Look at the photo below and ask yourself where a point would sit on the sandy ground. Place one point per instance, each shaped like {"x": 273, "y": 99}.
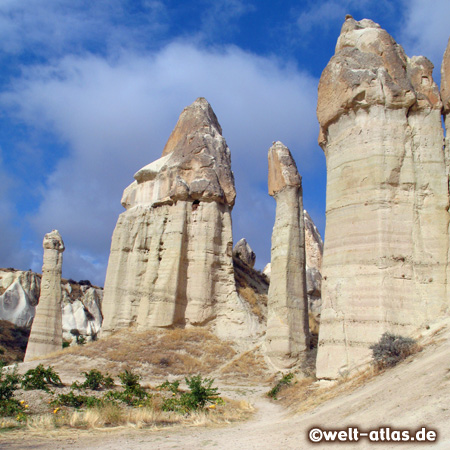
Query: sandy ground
{"x": 414, "y": 394}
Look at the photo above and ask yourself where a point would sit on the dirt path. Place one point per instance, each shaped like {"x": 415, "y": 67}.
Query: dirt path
{"x": 414, "y": 394}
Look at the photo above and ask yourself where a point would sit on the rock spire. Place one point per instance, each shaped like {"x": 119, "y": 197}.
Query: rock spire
{"x": 287, "y": 335}
{"x": 386, "y": 239}
{"x": 46, "y": 330}
{"x": 171, "y": 252}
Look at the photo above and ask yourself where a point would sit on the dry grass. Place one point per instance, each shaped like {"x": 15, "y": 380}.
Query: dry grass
{"x": 112, "y": 416}
{"x": 247, "y": 366}
{"x": 305, "y": 394}
{"x": 159, "y": 352}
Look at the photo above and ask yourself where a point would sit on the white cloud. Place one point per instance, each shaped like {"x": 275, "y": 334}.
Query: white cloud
{"x": 115, "y": 116}
{"x": 56, "y": 26}
{"x": 426, "y": 30}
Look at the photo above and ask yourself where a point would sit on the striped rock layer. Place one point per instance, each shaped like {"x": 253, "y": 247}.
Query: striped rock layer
{"x": 46, "y": 330}
{"x": 386, "y": 239}
{"x": 171, "y": 252}
{"x": 287, "y": 335}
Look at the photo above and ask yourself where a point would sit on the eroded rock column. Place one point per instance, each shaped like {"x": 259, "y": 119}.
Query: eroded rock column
{"x": 171, "y": 252}
{"x": 46, "y": 331}
{"x": 287, "y": 336}
{"x": 386, "y": 238}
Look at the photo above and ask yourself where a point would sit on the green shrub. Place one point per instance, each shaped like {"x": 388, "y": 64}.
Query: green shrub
{"x": 40, "y": 378}
{"x": 133, "y": 393}
{"x": 391, "y": 349}
{"x": 77, "y": 401}
{"x": 285, "y": 381}
{"x": 9, "y": 382}
{"x": 200, "y": 393}
{"x": 95, "y": 381}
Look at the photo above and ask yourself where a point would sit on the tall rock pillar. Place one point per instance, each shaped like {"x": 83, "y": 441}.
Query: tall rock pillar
{"x": 386, "y": 238}
{"x": 46, "y": 331}
{"x": 171, "y": 252}
{"x": 287, "y": 335}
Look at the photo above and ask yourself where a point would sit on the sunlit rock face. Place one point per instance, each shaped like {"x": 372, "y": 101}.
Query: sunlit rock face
{"x": 171, "y": 251}
{"x": 81, "y": 305}
{"x": 287, "y": 335}
{"x": 46, "y": 331}
{"x": 386, "y": 239}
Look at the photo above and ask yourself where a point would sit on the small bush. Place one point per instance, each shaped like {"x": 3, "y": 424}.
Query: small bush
{"x": 199, "y": 395}
{"x": 286, "y": 380}
{"x": 95, "y": 381}
{"x": 84, "y": 283}
{"x": 391, "y": 349}
{"x": 9, "y": 382}
{"x": 40, "y": 378}
{"x": 133, "y": 393}
{"x": 77, "y": 401}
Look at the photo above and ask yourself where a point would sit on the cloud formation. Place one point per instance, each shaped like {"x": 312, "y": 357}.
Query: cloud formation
{"x": 116, "y": 114}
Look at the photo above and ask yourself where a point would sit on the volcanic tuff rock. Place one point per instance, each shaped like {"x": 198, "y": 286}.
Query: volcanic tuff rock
{"x": 313, "y": 252}
{"x": 244, "y": 252}
{"x": 46, "y": 331}
{"x": 287, "y": 335}
{"x": 81, "y": 305}
{"x": 386, "y": 240}
{"x": 171, "y": 251}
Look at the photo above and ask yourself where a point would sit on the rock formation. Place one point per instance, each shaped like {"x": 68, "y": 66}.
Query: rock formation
{"x": 244, "y": 252}
{"x": 46, "y": 331}
{"x": 287, "y": 335}
{"x": 386, "y": 240}
{"x": 313, "y": 252}
{"x": 171, "y": 252}
{"x": 19, "y": 295}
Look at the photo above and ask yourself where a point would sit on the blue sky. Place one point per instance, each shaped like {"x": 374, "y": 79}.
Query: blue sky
{"x": 90, "y": 91}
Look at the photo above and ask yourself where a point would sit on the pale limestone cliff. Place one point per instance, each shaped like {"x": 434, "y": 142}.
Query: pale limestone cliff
{"x": 386, "y": 239}
{"x": 313, "y": 252}
{"x": 46, "y": 331}
{"x": 287, "y": 335}
{"x": 244, "y": 252}
{"x": 171, "y": 251}
{"x": 81, "y": 305}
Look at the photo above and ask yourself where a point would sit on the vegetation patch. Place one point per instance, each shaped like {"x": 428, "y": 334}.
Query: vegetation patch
{"x": 41, "y": 378}
{"x": 391, "y": 349}
{"x": 285, "y": 380}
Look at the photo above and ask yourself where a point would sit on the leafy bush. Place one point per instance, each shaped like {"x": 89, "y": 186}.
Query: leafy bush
{"x": 40, "y": 378}
{"x": 133, "y": 393}
{"x": 391, "y": 349}
{"x": 285, "y": 381}
{"x": 200, "y": 393}
{"x": 77, "y": 401}
{"x": 95, "y": 380}
{"x": 9, "y": 382}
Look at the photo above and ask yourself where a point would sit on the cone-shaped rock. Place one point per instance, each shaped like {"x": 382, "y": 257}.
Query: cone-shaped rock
{"x": 386, "y": 239}
{"x": 46, "y": 331}
{"x": 171, "y": 251}
{"x": 287, "y": 336}
{"x": 244, "y": 252}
